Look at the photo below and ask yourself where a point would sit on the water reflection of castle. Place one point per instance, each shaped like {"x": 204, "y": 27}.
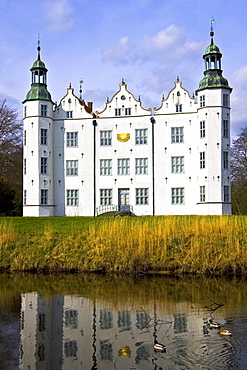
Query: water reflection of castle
{"x": 73, "y": 332}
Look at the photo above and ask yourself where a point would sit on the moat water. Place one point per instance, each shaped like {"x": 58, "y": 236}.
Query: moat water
{"x": 112, "y": 322}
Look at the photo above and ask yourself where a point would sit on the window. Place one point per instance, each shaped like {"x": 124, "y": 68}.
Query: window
{"x": 44, "y": 196}
{"x": 225, "y": 100}
{"x": 226, "y": 194}
{"x": 72, "y": 139}
{"x": 118, "y": 112}
{"x": 43, "y": 165}
{"x": 202, "y": 101}
{"x": 123, "y": 166}
{"x": 128, "y": 111}
{"x": 202, "y": 129}
{"x": 25, "y": 166}
{"x": 72, "y": 197}
{"x": 225, "y": 160}
{"x": 141, "y": 166}
{"x": 43, "y": 110}
{"x": 141, "y": 136}
{"x": 105, "y": 138}
{"x": 105, "y": 167}
{"x": 41, "y": 322}
{"x": 177, "y": 134}
{"x": 106, "y": 319}
{"x": 225, "y": 128}
{"x": 25, "y": 197}
{"x": 25, "y": 111}
{"x": 70, "y": 348}
{"x": 202, "y": 160}
{"x": 202, "y": 194}
{"x": 25, "y": 137}
{"x": 177, "y": 195}
{"x": 69, "y": 114}
{"x": 141, "y": 196}
{"x": 43, "y": 136}
{"x": 72, "y": 168}
{"x": 177, "y": 164}
{"x": 105, "y": 197}
{"x": 178, "y": 108}
{"x": 71, "y": 319}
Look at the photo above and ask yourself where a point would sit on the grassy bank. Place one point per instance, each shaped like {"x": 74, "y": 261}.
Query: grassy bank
{"x": 171, "y": 244}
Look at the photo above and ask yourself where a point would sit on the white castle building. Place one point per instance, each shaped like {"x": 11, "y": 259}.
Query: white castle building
{"x": 174, "y": 160}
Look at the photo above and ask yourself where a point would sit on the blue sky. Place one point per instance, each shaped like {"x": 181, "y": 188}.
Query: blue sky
{"x": 147, "y": 42}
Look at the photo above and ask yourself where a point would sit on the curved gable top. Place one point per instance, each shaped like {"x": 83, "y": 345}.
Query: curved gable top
{"x": 178, "y": 101}
{"x": 71, "y": 103}
{"x": 123, "y": 104}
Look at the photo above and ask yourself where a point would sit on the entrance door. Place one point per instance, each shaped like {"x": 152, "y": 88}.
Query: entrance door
{"x": 123, "y": 200}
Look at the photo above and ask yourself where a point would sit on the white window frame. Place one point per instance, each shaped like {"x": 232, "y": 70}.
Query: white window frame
{"x": 202, "y": 129}
{"x": 177, "y": 135}
{"x": 69, "y": 114}
{"x": 202, "y": 194}
{"x": 105, "y": 167}
{"x": 72, "y": 167}
{"x": 118, "y": 112}
{"x": 226, "y": 194}
{"x": 225, "y": 100}
{"x": 178, "y": 108}
{"x": 177, "y": 195}
{"x": 226, "y": 128}
{"x": 44, "y": 165}
{"x": 105, "y": 197}
{"x": 202, "y": 160}
{"x": 25, "y": 197}
{"x": 142, "y": 196}
{"x": 177, "y": 164}
{"x": 105, "y": 138}
{"x": 141, "y": 166}
{"x": 43, "y": 110}
{"x": 127, "y": 111}
{"x": 141, "y": 136}
{"x": 72, "y": 197}
{"x": 44, "y": 197}
{"x": 225, "y": 160}
{"x": 202, "y": 101}
{"x": 123, "y": 166}
{"x": 43, "y": 136}
{"x": 72, "y": 139}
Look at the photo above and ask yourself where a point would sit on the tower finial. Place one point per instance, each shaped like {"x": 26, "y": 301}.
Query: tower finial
{"x": 38, "y": 47}
{"x": 81, "y": 82}
{"x": 212, "y": 29}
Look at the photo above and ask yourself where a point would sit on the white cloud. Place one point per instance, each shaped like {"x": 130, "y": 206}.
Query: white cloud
{"x": 59, "y": 14}
{"x": 119, "y": 52}
{"x": 168, "y": 45}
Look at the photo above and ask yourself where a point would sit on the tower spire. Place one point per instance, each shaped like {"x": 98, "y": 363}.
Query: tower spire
{"x": 212, "y": 30}
{"x": 38, "y": 47}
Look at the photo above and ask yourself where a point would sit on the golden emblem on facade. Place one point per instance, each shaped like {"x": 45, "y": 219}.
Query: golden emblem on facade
{"x": 123, "y": 137}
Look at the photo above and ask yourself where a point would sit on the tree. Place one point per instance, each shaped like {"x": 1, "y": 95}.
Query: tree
{"x": 10, "y": 152}
{"x": 239, "y": 173}
{"x": 7, "y": 196}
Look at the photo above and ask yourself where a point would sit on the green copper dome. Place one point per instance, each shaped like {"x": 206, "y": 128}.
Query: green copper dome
{"x": 38, "y": 92}
{"x": 213, "y": 73}
{"x": 38, "y": 89}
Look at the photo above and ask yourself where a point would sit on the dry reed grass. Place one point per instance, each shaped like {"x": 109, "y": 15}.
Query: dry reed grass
{"x": 170, "y": 244}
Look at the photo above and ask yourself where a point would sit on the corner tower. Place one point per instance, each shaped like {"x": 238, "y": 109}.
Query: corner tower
{"x": 38, "y": 144}
{"x": 214, "y": 119}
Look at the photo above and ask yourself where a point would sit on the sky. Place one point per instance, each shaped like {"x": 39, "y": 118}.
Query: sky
{"x": 148, "y": 43}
